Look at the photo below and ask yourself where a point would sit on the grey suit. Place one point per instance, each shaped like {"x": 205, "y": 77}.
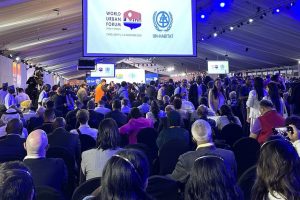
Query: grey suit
{"x": 186, "y": 161}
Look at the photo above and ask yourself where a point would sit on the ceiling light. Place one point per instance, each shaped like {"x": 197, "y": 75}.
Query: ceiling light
{"x": 277, "y": 10}
{"x": 250, "y": 20}
{"x": 202, "y": 16}
{"x": 299, "y": 62}
{"x": 215, "y": 34}
{"x": 222, "y": 4}
{"x": 17, "y": 58}
{"x": 169, "y": 69}
{"x": 231, "y": 28}
{"x": 202, "y": 39}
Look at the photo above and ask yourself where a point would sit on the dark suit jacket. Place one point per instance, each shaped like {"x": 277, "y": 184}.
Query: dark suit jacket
{"x": 33, "y": 123}
{"x": 186, "y": 161}
{"x": 11, "y": 146}
{"x": 193, "y": 94}
{"x": 71, "y": 119}
{"x": 95, "y": 119}
{"x": 118, "y": 116}
{"x": 62, "y": 138}
{"x": 47, "y": 127}
{"x": 50, "y": 172}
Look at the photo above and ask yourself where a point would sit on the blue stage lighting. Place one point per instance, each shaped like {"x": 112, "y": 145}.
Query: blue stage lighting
{"x": 278, "y": 10}
{"x": 222, "y": 4}
{"x": 202, "y": 16}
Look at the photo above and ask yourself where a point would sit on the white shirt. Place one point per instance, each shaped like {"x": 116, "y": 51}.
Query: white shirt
{"x": 125, "y": 109}
{"x": 9, "y": 100}
{"x": 160, "y": 94}
{"x": 150, "y": 115}
{"x": 187, "y": 106}
{"x": 21, "y": 97}
{"x": 2, "y": 96}
{"x": 86, "y": 129}
{"x": 102, "y": 110}
{"x": 42, "y": 96}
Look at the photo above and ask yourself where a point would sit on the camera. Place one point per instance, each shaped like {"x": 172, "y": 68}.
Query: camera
{"x": 283, "y": 131}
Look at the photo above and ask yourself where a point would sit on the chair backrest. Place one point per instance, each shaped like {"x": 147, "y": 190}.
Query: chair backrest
{"x": 60, "y": 152}
{"x": 148, "y": 137}
{"x": 47, "y": 193}
{"x": 169, "y": 153}
{"x": 86, "y": 188}
{"x": 231, "y": 133}
{"x": 246, "y": 151}
{"x": 246, "y": 181}
{"x": 162, "y": 188}
{"x": 87, "y": 142}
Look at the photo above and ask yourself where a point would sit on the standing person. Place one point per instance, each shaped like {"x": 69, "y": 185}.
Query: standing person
{"x": 44, "y": 93}
{"x": 196, "y": 91}
{"x": 151, "y": 90}
{"x": 116, "y": 113}
{"x": 100, "y": 90}
{"x": 9, "y": 98}
{"x": 275, "y": 98}
{"x": 161, "y": 92}
{"x": 3, "y": 93}
{"x": 182, "y": 90}
{"x": 255, "y": 96}
{"x": 216, "y": 96}
{"x": 123, "y": 91}
{"x": 243, "y": 96}
{"x": 22, "y": 96}
{"x": 170, "y": 88}
{"x": 82, "y": 94}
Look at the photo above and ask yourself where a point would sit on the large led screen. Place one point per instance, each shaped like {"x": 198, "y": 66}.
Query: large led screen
{"x": 218, "y": 67}
{"x": 139, "y": 28}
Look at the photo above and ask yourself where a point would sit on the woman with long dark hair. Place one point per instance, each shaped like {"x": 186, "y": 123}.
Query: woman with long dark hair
{"x": 155, "y": 113}
{"x": 277, "y": 100}
{"x": 278, "y": 172}
{"x": 226, "y": 117}
{"x": 211, "y": 180}
{"x": 108, "y": 142}
{"x": 125, "y": 177}
{"x": 216, "y": 96}
{"x": 255, "y": 96}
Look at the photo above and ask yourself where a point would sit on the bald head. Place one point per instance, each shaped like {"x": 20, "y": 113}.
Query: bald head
{"x": 37, "y": 143}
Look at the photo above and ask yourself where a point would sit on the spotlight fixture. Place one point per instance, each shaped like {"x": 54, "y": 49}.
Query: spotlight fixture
{"x": 202, "y": 16}
{"x": 215, "y": 34}
{"x": 222, "y": 4}
{"x": 170, "y": 69}
{"x": 17, "y": 58}
{"x": 277, "y": 10}
{"x": 299, "y": 62}
{"x": 10, "y": 55}
{"x": 202, "y": 39}
{"x": 231, "y": 28}
{"x": 250, "y": 20}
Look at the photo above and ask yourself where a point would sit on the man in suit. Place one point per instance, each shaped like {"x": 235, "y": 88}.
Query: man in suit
{"x": 95, "y": 117}
{"x": 197, "y": 90}
{"x": 202, "y": 134}
{"x": 62, "y": 138}
{"x": 116, "y": 114}
{"x": 11, "y": 146}
{"x": 50, "y": 172}
{"x": 49, "y": 117}
{"x": 71, "y": 116}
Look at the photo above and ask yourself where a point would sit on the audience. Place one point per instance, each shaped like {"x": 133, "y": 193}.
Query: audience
{"x": 202, "y": 134}
{"x": 216, "y": 96}
{"x": 116, "y": 113}
{"x": 210, "y": 179}
{"x": 263, "y": 125}
{"x": 108, "y": 142}
{"x": 94, "y": 117}
{"x": 101, "y": 108}
{"x": 82, "y": 117}
{"x": 50, "y": 172}
{"x": 226, "y": 117}
{"x": 16, "y": 182}
{"x": 134, "y": 125}
{"x": 125, "y": 177}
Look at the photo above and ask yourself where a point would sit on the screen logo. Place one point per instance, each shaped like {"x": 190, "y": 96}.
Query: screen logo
{"x": 162, "y": 20}
{"x": 132, "y": 19}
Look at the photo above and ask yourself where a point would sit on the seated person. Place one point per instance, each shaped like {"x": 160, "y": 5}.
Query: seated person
{"x": 145, "y": 107}
{"x": 125, "y": 106}
{"x": 82, "y": 117}
{"x": 50, "y": 172}
{"x": 135, "y": 124}
{"x": 202, "y": 134}
{"x": 116, "y": 113}
{"x": 108, "y": 142}
{"x": 16, "y": 182}
{"x": 11, "y": 146}
{"x": 173, "y": 132}
{"x": 226, "y": 117}
{"x": 263, "y": 126}
{"x": 94, "y": 117}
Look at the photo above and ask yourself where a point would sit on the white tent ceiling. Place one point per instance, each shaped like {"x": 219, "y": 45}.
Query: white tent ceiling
{"x": 48, "y": 33}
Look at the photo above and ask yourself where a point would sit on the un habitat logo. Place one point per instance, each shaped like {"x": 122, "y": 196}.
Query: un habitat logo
{"x": 132, "y": 19}
{"x": 162, "y": 20}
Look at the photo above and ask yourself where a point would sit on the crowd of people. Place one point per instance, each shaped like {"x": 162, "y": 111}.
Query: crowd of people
{"x": 187, "y": 132}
